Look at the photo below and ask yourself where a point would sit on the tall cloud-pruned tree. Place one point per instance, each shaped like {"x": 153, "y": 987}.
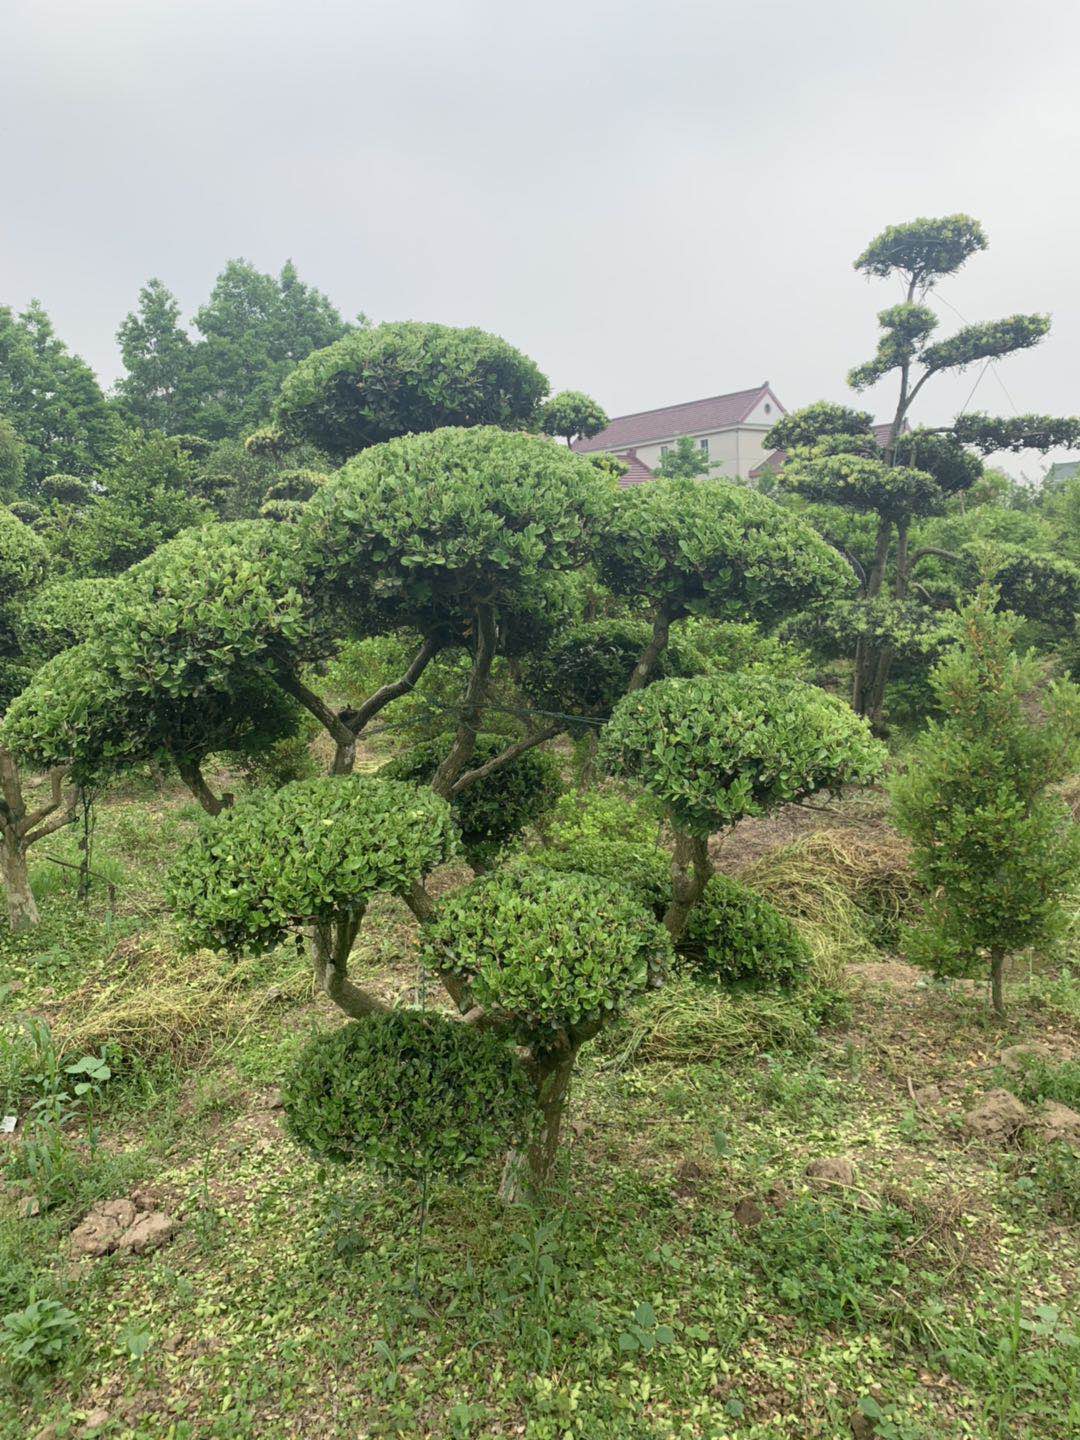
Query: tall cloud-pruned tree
{"x": 51, "y": 398}
{"x": 835, "y": 458}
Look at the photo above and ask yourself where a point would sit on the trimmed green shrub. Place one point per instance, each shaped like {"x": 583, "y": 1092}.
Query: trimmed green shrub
{"x": 424, "y": 529}
{"x": 735, "y": 934}
{"x": 491, "y": 811}
{"x": 546, "y": 952}
{"x": 719, "y": 550}
{"x": 408, "y": 1093}
{"x": 23, "y": 556}
{"x": 314, "y": 850}
{"x": 398, "y": 379}
{"x": 63, "y": 614}
{"x": 715, "y": 749}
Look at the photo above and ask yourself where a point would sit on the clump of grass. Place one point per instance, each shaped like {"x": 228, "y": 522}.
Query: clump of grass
{"x": 692, "y": 1023}
{"x": 170, "y": 1005}
{"x": 846, "y": 891}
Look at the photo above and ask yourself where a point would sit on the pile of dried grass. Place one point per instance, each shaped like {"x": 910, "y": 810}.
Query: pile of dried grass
{"x": 690, "y": 1023}
{"x": 166, "y": 1004}
{"x": 847, "y": 890}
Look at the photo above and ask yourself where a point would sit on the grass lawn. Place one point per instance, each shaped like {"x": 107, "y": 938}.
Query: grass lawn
{"x": 686, "y": 1280}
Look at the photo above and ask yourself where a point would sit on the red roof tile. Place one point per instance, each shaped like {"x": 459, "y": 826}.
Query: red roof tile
{"x": 718, "y": 412}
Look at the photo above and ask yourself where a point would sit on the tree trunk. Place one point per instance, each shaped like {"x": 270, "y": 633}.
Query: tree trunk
{"x": 331, "y": 943}
{"x": 642, "y": 671}
{"x": 464, "y": 742}
{"x": 550, "y": 1072}
{"x": 691, "y": 870}
{"x": 22, "y": 907}
{"x": 997, "y": 977}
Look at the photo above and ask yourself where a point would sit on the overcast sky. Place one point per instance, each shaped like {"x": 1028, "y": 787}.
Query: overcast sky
{"x": 656, "y": 199}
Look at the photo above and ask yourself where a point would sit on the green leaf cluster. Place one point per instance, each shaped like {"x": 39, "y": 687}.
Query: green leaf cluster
{"x": 714, "y": 549}
{"x": 63, "y": 614}
{"x": 437, "y": 523}
{"x": 399, "y": 379}
{"x": 315, "y": 850}
{"x": 716, "y": 749}
{"x": 642, "y": 869}
{"x": 409, "y": 1094}
{"x": 733, "y": 934}
{"x": 546, "y": 952}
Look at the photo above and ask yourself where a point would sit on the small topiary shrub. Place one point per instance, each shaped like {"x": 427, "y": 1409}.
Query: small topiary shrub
{"x": 546, "y": 952}
{"x": 493, "y": 810}
{"x": 734, "y": 934}
{"x": 308, "y": 858}
{"x": 410, "y": 1094}
{"x": 547, "y": 959}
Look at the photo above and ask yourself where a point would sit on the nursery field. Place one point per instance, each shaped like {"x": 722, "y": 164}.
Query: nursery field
{"x": 777, "y": 1213}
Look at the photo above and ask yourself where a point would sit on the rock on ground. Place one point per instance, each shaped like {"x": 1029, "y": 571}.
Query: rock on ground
{"x": 117, "y": 1225}
{"x": 831, "y": 1170}
{"x": 1054, "y": 1121}
{"x": 998, "y": 1116}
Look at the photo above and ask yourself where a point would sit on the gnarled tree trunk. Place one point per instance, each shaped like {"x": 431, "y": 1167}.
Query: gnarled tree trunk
{"x": 691, "y": 871}
{"x": 20, "y": 828}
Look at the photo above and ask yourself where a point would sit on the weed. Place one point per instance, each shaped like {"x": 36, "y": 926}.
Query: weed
{"x": 38, "y": 1336}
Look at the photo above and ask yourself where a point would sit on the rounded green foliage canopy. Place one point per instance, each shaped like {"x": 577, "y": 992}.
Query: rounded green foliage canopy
{"x": 642, "y": 869}
{"x": 398, "y": 379}
{"x": 733, "y": 934}
{"x": 715, "y": 749}
{"x": 454, "y": 518}
{"x": 572, "y": 414}
{"x": 715, "y": 549}
{"x": 23, "y": 556}
{"x": 862, "y": 483}
{"x": 494, "y": 809}
{"x": 409, "y": 1094}
{"x": 314, "y": 850}
{"x": 584, "y": 670}
{"x": 64, "y": 614}
{"x": 546, "y": 951}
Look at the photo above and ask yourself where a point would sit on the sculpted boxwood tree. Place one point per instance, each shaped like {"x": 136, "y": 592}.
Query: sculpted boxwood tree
{"x": 572, "y": 415}
{"x": 835, "y": 457}
{"x": 547, "y": 959}
{"x": 994, "y": 851}
{"x": 199, "y": 651}
{"x": 309, "y": 858}
{"x": 718, "y": 748}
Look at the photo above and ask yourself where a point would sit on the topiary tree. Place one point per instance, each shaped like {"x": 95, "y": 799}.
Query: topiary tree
{"x": 572, "y": 415}
{"x": 399, "y": 379}
{"x": 834, "y": 456}
{"x": 716, "y": 749}
{"x": 993, "y": 850}
{"x": 681, "y": 548}
{"x": 548, "y": 959}
{"x": 499, "y": 806}
{"x": 309, "y": 858}
{"x": 458, "y": 535}
{"x": 410, "y": 1094}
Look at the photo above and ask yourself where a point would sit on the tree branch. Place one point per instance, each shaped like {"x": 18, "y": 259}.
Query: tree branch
{"x": 639, "y": 676}
{"x": 504, "y": 757}
{"x": 343, "y": 738}
{"x": 922, "y": 553}
{"x": 355, "y": 720}
{"x": 464, "y": 742}
{"x": 191, "y": 773}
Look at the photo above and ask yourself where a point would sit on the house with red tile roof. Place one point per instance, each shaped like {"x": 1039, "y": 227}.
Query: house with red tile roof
{"x": 728, "y": 429}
